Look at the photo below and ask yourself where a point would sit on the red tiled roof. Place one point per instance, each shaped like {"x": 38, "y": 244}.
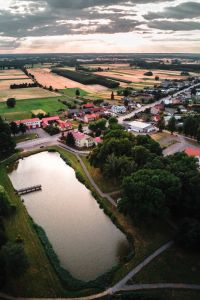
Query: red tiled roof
{"x": 192, "y": 152}
{"x": 28, "y": 120}
{"x": 88, "y": 105}
{"x": 46, "y": 120}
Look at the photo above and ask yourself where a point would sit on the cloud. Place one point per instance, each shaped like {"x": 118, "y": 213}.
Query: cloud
{"x": 187, "y": 10}
{"x": 174, "y": 25}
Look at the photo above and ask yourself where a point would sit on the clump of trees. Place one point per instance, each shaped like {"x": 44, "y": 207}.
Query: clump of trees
{"x": 7, "y": 143}
{"x": 51, "y": 129}
{"x": 98, "y": 126}
{"x": 70, "y": 141}
{"x": 149, "y": 73}
{"x": 15, "y": 128}
{"x": 153, "y": 186}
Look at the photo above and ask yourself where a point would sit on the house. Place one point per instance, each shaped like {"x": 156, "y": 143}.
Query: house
{"x": 30, "y": 123}
{"x": 140, "y": 127}
{"x": 118, "y": 109}
{"x": 193, "y": 153}
{"x": 82, "y": 140}
{"x": 90, "y": 118}
{"x": 64, "y": 126}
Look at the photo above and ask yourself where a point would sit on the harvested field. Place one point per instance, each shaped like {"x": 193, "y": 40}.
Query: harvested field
{"x": 137, "y": 76}
{"x": 46, "y": 78}
{"x": 28, "y": 93}
{"x": 5, "y": 84}
{"x": 12, "y": 74}
{"x": 38, "y": 111}
{"x": 106, "y": 66}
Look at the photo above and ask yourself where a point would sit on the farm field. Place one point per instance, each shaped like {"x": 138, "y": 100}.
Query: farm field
{"x": 136, "y": 76}
{"x": 46, "y": 78}
{"x": 12, "y": 74}
{"x": 106, "y": 66}
{"x": 24, "y": 108}
{"x": 28, "y": 93}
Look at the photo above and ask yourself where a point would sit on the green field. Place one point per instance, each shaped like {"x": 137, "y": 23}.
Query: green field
{"x": 25, "y": 137}
{"x": 71, "y": 92}
{"x": 23, "y": 108}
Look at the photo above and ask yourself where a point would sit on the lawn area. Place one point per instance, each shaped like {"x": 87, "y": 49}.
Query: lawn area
{"x": 173, "y": 266}
{"x": 106, "y": 185}
{"x": 23, "y": 108}
{"x": 71, "y": 92}
{"x": 25, "y": 137}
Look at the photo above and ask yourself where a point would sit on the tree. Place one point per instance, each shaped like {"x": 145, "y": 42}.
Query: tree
{"x": 80, "y": 127}
{"x": 77, "y": 93}
{"x": 70, "y": 141}
{"x": 22, "y": 128}
{"x": 14, "y": 128}
{"x": 146, "y": 193}
{"x": 112, "y": 96}
{"x": 113, "y": 120}
{"x": 157, "y": 78}
{"x": 161, "y": 123}
{"x": 11, "y": 102}
{"x": 172, "y": 125}
{"x": 15, "y": 259}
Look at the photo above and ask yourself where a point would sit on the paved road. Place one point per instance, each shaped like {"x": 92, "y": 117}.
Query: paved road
{"x": 133, "y": 113}
{"x": 181, "y": 145}
{"x": 136, "y": 287}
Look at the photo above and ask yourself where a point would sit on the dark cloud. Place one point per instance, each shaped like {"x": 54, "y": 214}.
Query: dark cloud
{"x": 175, "y": 26}
{"x": 187, "y": 10}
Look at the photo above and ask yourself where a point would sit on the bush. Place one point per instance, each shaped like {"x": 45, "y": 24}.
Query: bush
{"x": 80, "y": 177}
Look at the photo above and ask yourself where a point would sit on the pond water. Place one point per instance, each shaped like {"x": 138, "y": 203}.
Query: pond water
{"x": 85, "y": 240}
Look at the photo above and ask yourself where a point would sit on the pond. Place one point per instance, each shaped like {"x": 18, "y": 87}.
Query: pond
{"x": 85, "y": 240}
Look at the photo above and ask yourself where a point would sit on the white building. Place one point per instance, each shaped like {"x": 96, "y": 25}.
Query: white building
{"x": 140, "y": 127}
{"x": 30, "y": 123}
{"x": 118, "y": 109}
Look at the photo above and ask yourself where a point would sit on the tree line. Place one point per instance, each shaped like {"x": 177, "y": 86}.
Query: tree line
{"x": 23, "y": 85}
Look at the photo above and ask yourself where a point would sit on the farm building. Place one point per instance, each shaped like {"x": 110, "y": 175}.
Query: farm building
{"x": 30, "y": 123}
{"x": 140, "y": 127}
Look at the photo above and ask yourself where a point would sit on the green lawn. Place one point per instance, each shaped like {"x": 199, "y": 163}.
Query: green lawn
{"x": 173, "y": 266}
{"x": 106, "y": 185}
{"x": 71, "y": 92}
{"x": 23, "y": 108}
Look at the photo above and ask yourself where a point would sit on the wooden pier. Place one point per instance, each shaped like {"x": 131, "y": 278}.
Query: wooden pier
{"x": 28, "y": 190}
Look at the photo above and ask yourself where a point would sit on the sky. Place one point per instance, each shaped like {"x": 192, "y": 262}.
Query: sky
{"x": 106, "y": 26}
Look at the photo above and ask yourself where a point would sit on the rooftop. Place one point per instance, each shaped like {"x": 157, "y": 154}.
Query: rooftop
{"x": 192, "y": 152}
{"x": 139, "y": 124}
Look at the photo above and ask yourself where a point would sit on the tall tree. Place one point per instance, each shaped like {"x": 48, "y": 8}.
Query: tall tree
{"x": 22, "y": 128}
{"x": 172, "y": 125}
{"x": 70, "y": 141}
{"x": 161, "y": 123}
